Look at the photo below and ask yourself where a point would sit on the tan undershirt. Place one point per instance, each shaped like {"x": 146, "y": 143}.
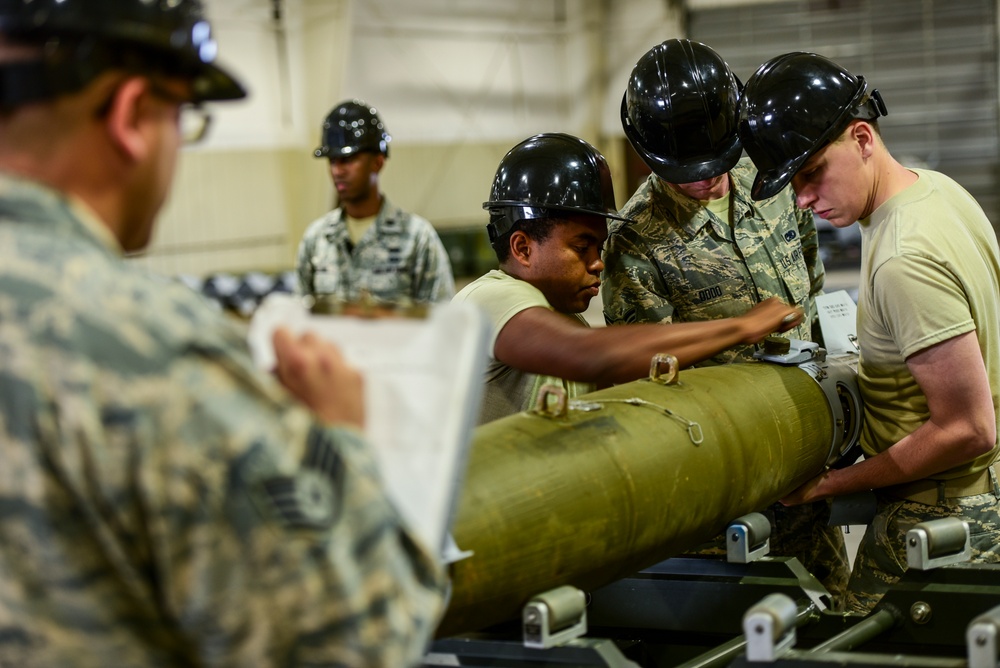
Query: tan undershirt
{"x": 720, "y": 207}
{"x": 356, "y": 227}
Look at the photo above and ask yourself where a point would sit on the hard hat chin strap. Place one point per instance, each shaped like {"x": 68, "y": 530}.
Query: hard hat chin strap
{"x": 504, "y": 218}
{"x": 870, "y": 106}
{"x": 877, "y": 97}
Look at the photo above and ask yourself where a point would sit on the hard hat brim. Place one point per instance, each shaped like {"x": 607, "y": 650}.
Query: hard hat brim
{"x": 213, "y": 83}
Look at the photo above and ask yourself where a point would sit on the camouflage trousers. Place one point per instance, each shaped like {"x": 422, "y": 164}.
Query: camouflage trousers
{"x": 804, "y": 532}
{"x": 881, "y": 558}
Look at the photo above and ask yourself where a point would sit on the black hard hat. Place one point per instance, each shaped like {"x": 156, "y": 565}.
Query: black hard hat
{"x": 352, "y": 127}
{"x": 679, "y": 112}
{"x": 173, "y": 34}
{"x": 546, "y": 173}
{"x": 794, "y": 105}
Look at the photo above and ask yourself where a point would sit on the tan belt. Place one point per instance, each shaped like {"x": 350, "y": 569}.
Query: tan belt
{"x": 933, "y": 492}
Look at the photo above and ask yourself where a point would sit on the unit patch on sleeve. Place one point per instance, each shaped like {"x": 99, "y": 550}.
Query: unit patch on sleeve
{"x": 311, "y": 498}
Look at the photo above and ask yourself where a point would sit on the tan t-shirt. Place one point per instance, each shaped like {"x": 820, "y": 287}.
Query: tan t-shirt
{"x": 930, "y": 271}
{"x": 720, "y": 207}
{"x": 357, "y": 227}
{"x": 510, "y": 390}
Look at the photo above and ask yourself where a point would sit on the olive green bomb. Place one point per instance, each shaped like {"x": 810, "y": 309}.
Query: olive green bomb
{"x": 631, "y": 475}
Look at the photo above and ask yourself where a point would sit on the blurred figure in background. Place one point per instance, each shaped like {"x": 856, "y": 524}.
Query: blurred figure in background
{"x": 366, "y": 247}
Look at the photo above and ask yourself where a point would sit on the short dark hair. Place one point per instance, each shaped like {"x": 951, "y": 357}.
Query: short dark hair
{"x": 537, "y": 229}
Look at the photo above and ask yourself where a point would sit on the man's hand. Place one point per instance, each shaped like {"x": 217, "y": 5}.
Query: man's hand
{"x": 807, "y": 493}
{"x": 314, "y": 371}
{"x": 770, "y": 316}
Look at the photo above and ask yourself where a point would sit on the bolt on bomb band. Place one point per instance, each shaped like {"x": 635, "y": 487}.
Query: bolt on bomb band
{"x": 165, "y": 504}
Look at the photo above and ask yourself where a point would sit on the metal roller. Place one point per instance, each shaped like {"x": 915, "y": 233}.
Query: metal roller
{"x": 947, "y": 538}
{"x": 983, "y": 639}
{"x": 565, "y": 605}
{"x": 554, "y": 618}
{"x": 748, "y": 538}
{"x": 936, "y": 543}
{"x": 769, "y": 628}
{"x": 758, "y": 527}
{"x": 628, "y": 476}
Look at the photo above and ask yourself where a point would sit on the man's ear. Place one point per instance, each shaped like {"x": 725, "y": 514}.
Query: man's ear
{"x": 864, "y": 134}
{"x": 521, "y": 247}
{"x": 378, "y": 163}
{"x": 125, "y": 120}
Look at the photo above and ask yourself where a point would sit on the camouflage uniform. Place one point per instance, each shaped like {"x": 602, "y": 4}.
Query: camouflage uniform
{"x": 162, "y": 503}
{"x": 881, "y": 558}
{"x": 679, "y": 262}
{"x": 400, "y": 259}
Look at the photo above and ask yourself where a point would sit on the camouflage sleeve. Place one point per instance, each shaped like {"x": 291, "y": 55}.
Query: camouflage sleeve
{"x": 632, "y": 287}
{"x": 810, "y": 251}
{"x": 433, "y": 280}
{"x": 272, "y": 538}
{"x": 303, "y": 264}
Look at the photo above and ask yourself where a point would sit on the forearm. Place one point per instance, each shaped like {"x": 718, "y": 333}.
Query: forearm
{"x": 622, "y": 354}
{"x": 961, "y": 426}
{"x": 927, "y": 451}
{"x": 537, "y": 340}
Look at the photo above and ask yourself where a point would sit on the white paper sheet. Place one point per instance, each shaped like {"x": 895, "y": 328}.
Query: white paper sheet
{"x": 838, "y": 318}
{"x": 423, "y": 386}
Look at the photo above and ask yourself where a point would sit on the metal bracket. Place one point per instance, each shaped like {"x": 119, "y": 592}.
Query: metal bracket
{"x": 938, "y": 543}
{"x": 797, "y": 352}
{"x": 748, "y": 538}
{"x": 769, "y": 628}
{"x": 655, "y": 365}
{"x": 554, "y": 618}
{"x": 981, "y": 639}
{"x": 838, "y": 382}
{"x": 551, "y": 409}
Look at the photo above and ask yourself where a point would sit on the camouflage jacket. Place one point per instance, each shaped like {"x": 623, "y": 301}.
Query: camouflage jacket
{"x": 678, "y": 262}
{"x": 400, "y": 259}
{"x": 162, "y": 503}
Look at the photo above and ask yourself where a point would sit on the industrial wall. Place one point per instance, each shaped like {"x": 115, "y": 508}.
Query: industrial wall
{"x": 458, "y": 82}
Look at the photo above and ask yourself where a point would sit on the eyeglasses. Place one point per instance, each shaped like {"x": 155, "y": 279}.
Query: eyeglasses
{"x": 195, "y": 121}
{"x": 194, "y": 118}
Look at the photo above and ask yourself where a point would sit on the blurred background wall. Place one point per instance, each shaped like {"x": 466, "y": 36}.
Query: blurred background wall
{"x": 458, "y": 82}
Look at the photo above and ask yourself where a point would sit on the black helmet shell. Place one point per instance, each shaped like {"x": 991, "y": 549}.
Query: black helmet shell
{"x": 176, "y": 29}
{"x": 794, "y": 105}
{"x": 679, "y": 112}
{"x": 549, "y": 172}
{"x": 353, "y": 127}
